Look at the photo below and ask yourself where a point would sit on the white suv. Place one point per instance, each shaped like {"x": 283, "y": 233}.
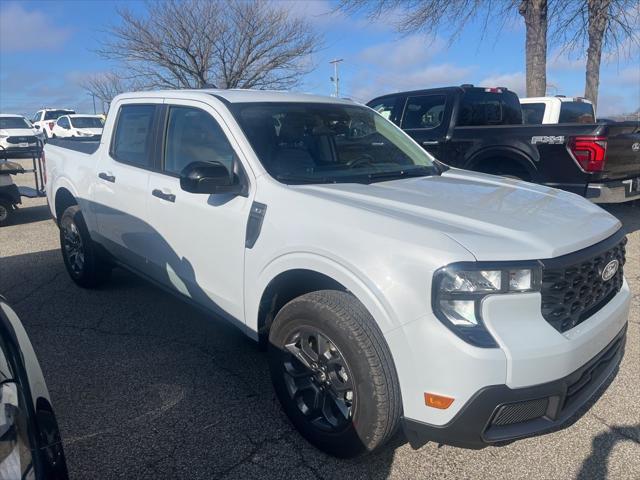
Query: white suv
{"x": 390, "y": 289}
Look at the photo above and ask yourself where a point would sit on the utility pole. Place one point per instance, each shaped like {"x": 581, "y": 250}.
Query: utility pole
{"x": 93, "y": 96}
{"x": 336, "y": 79}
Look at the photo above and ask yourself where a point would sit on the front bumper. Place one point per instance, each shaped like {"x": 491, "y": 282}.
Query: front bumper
{"x": 497, "y": 413}
{"x": 614, "y": 192}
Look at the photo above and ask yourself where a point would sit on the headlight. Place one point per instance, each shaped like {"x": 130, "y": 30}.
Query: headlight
{"x": 458, "y": 291}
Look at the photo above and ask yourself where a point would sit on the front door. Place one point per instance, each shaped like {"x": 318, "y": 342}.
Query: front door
{"x": 425, "y": 120}
{"x": 199, "y": 244}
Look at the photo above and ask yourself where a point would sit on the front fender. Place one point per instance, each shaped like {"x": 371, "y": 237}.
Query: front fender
{"x": 355, "y": 282}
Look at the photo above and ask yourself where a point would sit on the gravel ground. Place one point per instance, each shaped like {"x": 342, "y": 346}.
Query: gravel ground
{"x": 145, "y": 386}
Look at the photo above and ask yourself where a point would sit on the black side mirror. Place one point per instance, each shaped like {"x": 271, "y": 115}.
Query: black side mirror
{"x": 36, "y": 127}
{"x": 210, "y": 178}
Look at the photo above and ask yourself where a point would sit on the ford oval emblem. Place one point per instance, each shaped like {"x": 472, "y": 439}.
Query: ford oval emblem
{"x": 610, "y": 270}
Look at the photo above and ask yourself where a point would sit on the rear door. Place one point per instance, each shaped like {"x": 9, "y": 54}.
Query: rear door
{"x": 119, "y": 197}
{"x": 426, "y": 119}
{"x": 199, "y": 239}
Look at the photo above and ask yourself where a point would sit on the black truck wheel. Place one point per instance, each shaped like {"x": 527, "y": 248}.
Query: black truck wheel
{"x": 333, "y": 373}
{"x": 84, "y": 265}
{"x": 6, "y": 212}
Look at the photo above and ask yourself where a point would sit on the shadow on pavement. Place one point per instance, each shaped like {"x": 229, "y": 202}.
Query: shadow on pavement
{"x": 596, "y": 465}
{"x": 146, "y": 386}
{"x": 24, "y": 215}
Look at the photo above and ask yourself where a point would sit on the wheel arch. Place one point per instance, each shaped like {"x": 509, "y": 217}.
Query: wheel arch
{"x": 512, "y": 157}
{"x": 63, "y": 200}
{"x": 296, "y": 274}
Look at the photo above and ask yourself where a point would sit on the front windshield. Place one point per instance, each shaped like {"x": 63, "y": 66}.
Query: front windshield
{"x": 86, "y": 122}
{"x": 13, "y": 122}
{"x": 329, "y": 143}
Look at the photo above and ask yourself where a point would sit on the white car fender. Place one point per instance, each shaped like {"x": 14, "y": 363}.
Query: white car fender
{"x": 357, "y": 284}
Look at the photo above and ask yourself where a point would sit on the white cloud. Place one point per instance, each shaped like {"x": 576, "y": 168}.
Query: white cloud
{"x": 404, "y": 53}
{"x": 513, "y": 81}
{"x": 371, "y": 84}
{"x": 22, "y": 30}
{"x": 559, "y": 60}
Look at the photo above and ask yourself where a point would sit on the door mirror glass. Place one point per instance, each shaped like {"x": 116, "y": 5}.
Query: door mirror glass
{"x": 209, "y": 178}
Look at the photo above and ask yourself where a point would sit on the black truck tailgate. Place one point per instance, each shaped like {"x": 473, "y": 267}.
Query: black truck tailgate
{"x": 623, "y": 150}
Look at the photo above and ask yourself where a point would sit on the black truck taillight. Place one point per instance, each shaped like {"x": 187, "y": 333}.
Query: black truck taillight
{"x": 589, "y": 151}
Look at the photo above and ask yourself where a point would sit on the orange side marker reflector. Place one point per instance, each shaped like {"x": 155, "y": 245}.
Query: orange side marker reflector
{"x": 437, "y": 401}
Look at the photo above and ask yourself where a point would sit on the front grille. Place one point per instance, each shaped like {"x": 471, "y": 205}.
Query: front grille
{"x": 573, "y": 288}
{"x": 26, "y": 139}
{"x": 520, "y": 412}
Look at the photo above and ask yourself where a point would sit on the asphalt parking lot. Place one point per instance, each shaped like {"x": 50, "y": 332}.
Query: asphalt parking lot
{"x": 145, "y": 386}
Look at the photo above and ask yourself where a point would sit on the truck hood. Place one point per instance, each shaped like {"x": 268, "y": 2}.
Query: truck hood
{"x": 492, "y": 217}
{"x": 18, "y": 132}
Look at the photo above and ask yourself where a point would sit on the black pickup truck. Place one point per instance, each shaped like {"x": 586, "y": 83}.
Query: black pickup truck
{"x": 481, "y": 129}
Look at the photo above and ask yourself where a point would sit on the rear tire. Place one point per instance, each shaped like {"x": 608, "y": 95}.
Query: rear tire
{"x": 6, "y": 212}
{"x": 333, "y": 373}
{"x": 84, "y": 265}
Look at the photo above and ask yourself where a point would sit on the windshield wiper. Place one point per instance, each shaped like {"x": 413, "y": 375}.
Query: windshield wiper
{"x": 412, "y": 172}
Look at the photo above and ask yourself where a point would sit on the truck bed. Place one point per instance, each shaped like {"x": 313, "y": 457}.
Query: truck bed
{"x": 83, "y": 146}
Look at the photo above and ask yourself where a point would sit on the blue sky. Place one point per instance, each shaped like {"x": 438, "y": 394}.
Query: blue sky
{"x": 47, "y": 48}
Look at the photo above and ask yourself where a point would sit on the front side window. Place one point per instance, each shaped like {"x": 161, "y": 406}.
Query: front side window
{"x": 194, "y": 136}
{"x": 86, "y": 122}
{"x": 63, "y": 122}
{"x": 132, "y": 138}
{"x": 576, "y": 112}
{"x": 36, "y": 117}
{"x": 480, "y": 107}
{"x": 533, "y": 113}
{"x": 329, "y": 143}
{"x": 425, "y": 111}
{"x": 13, "y": 122}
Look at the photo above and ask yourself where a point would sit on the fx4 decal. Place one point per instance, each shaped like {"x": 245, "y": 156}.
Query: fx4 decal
{"x": 551, "y": 139}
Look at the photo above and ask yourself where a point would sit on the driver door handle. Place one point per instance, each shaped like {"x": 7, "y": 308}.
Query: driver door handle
{"x": 430, "y": 142}
{"x": 169, "y": 197}
{"x": 107, "y": 176}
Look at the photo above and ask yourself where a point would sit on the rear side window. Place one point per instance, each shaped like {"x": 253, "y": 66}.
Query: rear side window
{"x": 387, "y": 107}
{"x": 533, "y": 113}
{"x": 425, "y": 111}
{"x": 479, "y": 107}
{"x": 194, "y": 136}
{"x": 576, "y": 112}
{"x": 133, "y": 133}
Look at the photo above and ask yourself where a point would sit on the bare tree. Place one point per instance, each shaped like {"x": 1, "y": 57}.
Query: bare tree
{"x": 600, "y": 26}
{"x": 105, "y": 86}
{"x": 432, "y": 16}
{"x": 200, "y": 43}
{"x": 534, "y": 13}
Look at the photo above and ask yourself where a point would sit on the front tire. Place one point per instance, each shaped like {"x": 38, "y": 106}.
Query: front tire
{"x": 84, "y": 265}
{"x": 333, "y": 373}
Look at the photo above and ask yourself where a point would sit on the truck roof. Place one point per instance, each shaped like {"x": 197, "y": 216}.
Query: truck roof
{"x": 238, "y": 96}
{"x": 12, "y": 115}
{"x": 556, "y": 98}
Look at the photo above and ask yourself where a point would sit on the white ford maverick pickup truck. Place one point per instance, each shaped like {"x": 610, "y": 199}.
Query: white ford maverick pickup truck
{"x": 389, "y": 289}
